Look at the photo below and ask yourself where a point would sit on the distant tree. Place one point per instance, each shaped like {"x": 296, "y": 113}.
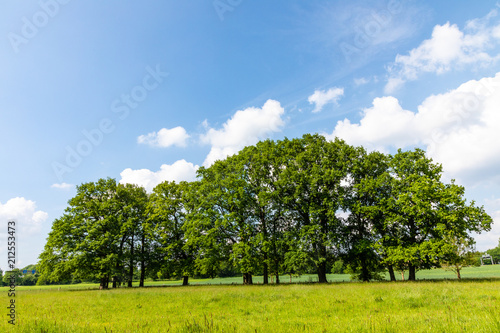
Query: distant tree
{"x": 338, "y": 267}
{"x": 28, "y": 280}
{"x": 8, "y": 276}
{"x": 495, "y": 253}
{"x": 457, "y": 253}
{"x": 30, "y": 267}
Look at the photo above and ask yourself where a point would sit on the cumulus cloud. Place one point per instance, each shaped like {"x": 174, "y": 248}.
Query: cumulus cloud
{"x": 28, "y": 219}
{"x": 62, "y": 186}
{"x": 246, "y": 127}
{"x": 386, "y": 123}
{"x": 490, "y": 239}
{"x": 458, "y": 128}
{"x": 449, "y": 47}
{"x": 178, "y": 171}
{"x": 321, "y": 97}
{"x": 164, "y": 138}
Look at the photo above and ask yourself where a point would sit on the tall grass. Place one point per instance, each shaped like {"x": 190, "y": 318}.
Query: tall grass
{"x": 446, "y": 306}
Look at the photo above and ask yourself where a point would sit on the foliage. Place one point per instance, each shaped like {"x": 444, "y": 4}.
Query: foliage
{"x": 422, "y": 212}
{"x": 458, "y": 253}
{"x": 7, "y": 277}
{"x": 167, "y": 209}
{"x": 94, "y": 239}
{"x": 291, "y": 206}
{"x": 338, "y": 267}
{"x": 495, "y": 253}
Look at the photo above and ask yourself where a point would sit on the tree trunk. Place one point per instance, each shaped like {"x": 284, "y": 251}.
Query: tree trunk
{"x": 458, "y": 273}
{"x": 114, "y": 282}
{"x": 322, "y": 253}
{"x": 411, "y": 273}
{"x": 391, "y": 272}
{"x": 322, "y": 272}
{"x": 247, "y": 278}
{"x": 185, "y": 280}
{"x": 143, "y": 266}
{"x": 277, "y": 279}
{"x": 141, "y": 282}
{"x": 365, "y": 275}
{"x": 104, "y": 282}
{"x": 266, "y": 270}
{"x": 131, "y": 264}
{"x": 264, "y": 233}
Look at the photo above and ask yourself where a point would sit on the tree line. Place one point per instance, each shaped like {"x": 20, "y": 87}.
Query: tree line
{"x": 288, "y": 206}
{"x": 28, "y": 279}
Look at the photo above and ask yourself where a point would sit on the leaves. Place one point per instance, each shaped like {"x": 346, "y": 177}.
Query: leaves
{"x": 286, "y": 206}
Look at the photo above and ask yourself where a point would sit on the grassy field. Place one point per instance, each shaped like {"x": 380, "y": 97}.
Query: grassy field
{"x": 434, "y": 274}
{"x": 470, "y": 305}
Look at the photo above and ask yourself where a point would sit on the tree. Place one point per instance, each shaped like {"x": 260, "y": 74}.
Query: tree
{"x": 90, "y": 240}
{"x": 222, "y": 225}
{"x": 57, "y": 261}
{"x": 262, "y": 165}
{"x": 457, "y": 253}
{"x": 13, "y": 275}
{"x": 421, "y": 212}
{"x": 29, "y": 280}
{"x": 135, "y": 247}
{"x": 363, "y": 226}
{"x": 495, "y": 253}
{"x": 311, "y": 190}
{"x": 167, "y": 211}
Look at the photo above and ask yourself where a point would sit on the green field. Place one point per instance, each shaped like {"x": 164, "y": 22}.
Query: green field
{"x": 470, "y": 305}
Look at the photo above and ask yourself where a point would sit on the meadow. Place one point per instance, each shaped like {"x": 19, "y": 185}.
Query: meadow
{"x": 444, "y": 305}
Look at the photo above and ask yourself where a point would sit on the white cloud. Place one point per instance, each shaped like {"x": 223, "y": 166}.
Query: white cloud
{"x": 62, "y": 186}
{"x": 28, "y": 219}
{"x": 460, "y": 129}
{"x": 489, "y": 240}
{"x": 246, "y": 127}
{"x": 179, "y": 171}
{"x": 385, "y": 124}
{"x": 463, "y": 130}
{"x": 448, "y": 48}
{"x": 321, "y": 97}
{"x": 164, "y": 138}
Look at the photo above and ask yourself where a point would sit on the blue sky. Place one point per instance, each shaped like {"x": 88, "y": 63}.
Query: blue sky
{"x": 146, "y": 92}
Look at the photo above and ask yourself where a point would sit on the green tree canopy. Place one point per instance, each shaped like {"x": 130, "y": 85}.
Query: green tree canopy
{"x": 422, "y": 212}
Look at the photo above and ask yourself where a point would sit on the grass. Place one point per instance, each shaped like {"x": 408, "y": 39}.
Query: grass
{"x": 470, "y": 305}
{"x": 447, "y": 306}
{"x": 487, "y": 271}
